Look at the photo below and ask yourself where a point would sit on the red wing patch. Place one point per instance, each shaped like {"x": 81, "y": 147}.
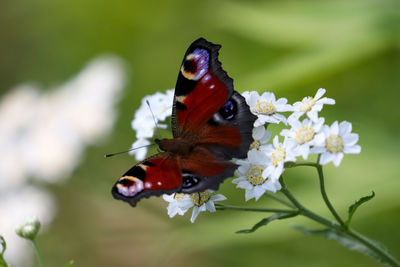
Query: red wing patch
{"x": 154, "y": 176}
{"x": 202, "y": 103}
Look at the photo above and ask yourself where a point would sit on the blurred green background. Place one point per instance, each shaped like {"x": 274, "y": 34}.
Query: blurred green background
{"x": 351, "y": 48}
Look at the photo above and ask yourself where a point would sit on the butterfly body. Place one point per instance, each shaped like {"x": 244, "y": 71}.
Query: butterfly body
{"x": 211, "y": 125}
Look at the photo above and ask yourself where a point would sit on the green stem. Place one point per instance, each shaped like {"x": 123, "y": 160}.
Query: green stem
{"x": 228, "y": 207}
{"x": 341, "y": 228}
{"x": 39, "y": 259}
{"x": 284, "y": 202}
{"x": 322, "y": 187}
{"x": 325, "y": 196}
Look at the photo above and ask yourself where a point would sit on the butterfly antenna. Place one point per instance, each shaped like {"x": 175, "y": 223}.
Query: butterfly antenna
{"x": 117, "y": 153}
{"x": 154, "y": 119}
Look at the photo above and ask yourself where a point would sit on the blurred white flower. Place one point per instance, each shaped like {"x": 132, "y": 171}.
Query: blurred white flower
{"x": 161, "y": 106}
{"x": 335, "y": 141}
{"x": 43, "y": 135}
{"x": 251, "y": 177}
{"x": 180, "y": 203}
{"x": 279, "y": 153}
{"x": 141, "y": 148}
{"x": 260, "y": 136}
{"x": 311, "y": 106}
{"x": 303, "y": 135}
{"x": 266, "y": 107}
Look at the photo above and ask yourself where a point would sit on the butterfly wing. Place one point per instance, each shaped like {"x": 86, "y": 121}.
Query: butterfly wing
{"x": 157, "y": 175}
{"x": 202, "y": 88}
{"x": 208, "y": 111}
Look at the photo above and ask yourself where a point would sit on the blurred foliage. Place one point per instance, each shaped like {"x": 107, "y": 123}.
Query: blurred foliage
{"x": 351, "y": 48}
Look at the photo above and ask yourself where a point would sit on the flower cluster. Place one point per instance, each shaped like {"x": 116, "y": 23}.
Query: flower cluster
{"x": 180, "y": 203}
{"x": 265, "y": 162}
{"x": 158, "y": 105}
{"x": 44, "y": 134}
{"x": 305, "y": 134}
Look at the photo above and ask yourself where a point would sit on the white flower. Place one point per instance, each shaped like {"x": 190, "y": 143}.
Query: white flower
{"x": 161, "y": 106}
{"x": 204, "y": 201}
{"x": 46, "y": 143}
{"x": 336, "y": 141}
{"x": 266, "y": 107}
{"x": 180, "y": 203}
{"x": 44, "y": 133}
{"x": 141, "y": 148}
{"x": 311, "y": 106}
{"x": 303, "y": 135}
{"x": 251, "y": 175}
{"x": 260, "y": 136}
{"x": 279, "y": 153}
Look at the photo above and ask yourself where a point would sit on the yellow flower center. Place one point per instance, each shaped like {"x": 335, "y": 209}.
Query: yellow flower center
{"x": 255, "y": 145}
{"x": 200, "y": 198}
{"x": 278, "y": 156}
{"x": 304, "y": 134}
{"x": 264, "y": 107}
{"x": 179, "y": 195}
{"x": 254, "y": 175}
{"x": 334, "y": 143}
{"x": 307, "y": 104}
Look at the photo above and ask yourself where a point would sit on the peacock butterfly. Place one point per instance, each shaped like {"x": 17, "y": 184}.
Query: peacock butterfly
{"x": 211, "y": 125}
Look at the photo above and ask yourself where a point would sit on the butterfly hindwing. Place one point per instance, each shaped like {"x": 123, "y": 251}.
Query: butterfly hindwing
{"x": 157, "y": 175}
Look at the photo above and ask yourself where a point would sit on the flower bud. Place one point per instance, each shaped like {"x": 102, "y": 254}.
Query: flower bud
{"x": 29, "y": 229}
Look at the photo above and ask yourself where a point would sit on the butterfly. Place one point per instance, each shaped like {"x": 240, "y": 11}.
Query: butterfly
{"x": 211, "y": 125}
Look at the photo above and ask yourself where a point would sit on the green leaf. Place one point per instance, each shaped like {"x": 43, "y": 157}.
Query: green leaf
{"x": 69, "y": 263}
{"x": 265, "y": 221}
{"x": 345, "y": 241}
{"x": 3, "y": 244}
{"x": 353, "y": 208}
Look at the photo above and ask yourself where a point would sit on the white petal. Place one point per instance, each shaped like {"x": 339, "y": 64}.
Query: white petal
{"x": 243, "y": 169}
{"x": 210, "y": 206}
{"x": 258, "y": 132}
{"x": 244, "y": 185}
{"x": 319, "y": 139}
{"x": 280, "y": 117}
{"x": 335, "y": 128}
{"x": 344, "y": 128}
{"x": 313, "y": 115}
{"x": 337, "y": 159}
{"x": 294, "y": 118}
{"x": 352, "y": 149}
{"x": 249, "y": 195}
{"x": 254, "y": 96}
{"x": 281, "y": 101}
{"x": 195, "y": 213}
{"x": 320, "y": 93}
{"x": 268, "y": 171}
{"x": 327, "y": 101}
{"x": 218, "y": 197}
{"x": 276, "y": 141}
{"x": 258, "y": 192}
{"x": 317, "y": 150}
{"x": 350, "y": 139}
{"x": 325, "y": 158}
